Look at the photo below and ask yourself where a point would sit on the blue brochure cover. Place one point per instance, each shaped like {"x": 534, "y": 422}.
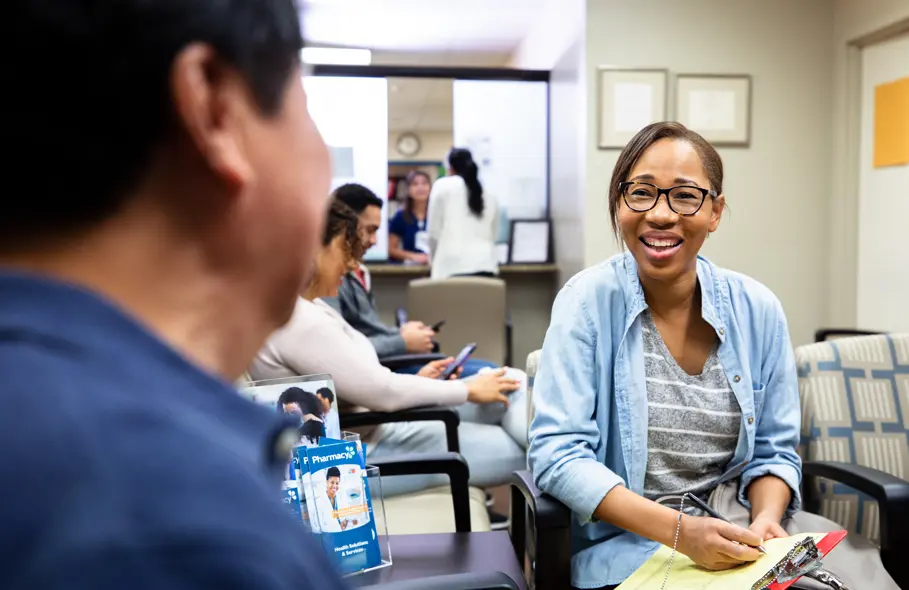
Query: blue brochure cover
{"x": 341, "y": 505}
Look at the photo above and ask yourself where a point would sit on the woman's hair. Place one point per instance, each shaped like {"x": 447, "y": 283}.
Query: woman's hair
{"x": 342, "y": 221}
{"x": 408, "y": 205}
{"x": 311, "y": 430}
{"x": 461, "y": 161}
{"x": 308, "y": 402}
{"x": 646, "y": 137}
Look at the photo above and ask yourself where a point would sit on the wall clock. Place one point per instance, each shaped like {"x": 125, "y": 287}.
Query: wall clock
{"x": 408, "y": 144}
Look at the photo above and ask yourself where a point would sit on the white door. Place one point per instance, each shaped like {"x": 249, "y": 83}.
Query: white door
{"x": 883, "y": 237}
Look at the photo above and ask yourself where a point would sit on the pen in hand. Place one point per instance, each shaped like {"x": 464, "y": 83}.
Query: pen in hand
{"x": 713, "y": 513}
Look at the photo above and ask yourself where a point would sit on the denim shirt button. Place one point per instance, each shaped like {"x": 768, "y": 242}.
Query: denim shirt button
{"x": 750, "y": 419}
{"x": 722, "y": 331}
{"x": 737, "y": 378}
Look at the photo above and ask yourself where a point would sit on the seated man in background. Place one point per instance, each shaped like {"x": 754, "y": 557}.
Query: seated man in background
{"x": 137, "y": 279}
{"x": 357, "y": 305}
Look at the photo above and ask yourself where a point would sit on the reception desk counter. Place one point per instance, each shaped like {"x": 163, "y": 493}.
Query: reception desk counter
{"x": 531, "y": 290}
{"x": 417, "y": 271}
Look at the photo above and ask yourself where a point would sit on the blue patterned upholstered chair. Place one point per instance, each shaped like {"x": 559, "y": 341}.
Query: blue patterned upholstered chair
{"x": 855, "y": 438}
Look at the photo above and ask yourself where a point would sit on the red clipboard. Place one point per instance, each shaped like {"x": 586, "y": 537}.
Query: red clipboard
{"x": 825, "y": 546}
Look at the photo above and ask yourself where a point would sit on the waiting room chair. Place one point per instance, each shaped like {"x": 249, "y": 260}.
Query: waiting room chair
{"x": 855, "y": 439}
{"x": 540, "y": 525}
{"x": 825, "y": 334}
{"x": 430, "y": 510}
{"x": 399, "y": 361}
{"x": 474, "y": 310}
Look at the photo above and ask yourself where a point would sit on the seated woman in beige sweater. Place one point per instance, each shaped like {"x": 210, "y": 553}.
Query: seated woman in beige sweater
{"x": 492, "y": 405}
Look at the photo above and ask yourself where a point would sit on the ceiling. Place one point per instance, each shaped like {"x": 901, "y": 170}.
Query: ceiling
{"x": 468, "y": 33}
{"x": 420, "y": 104}
{"x": 439, "y": 26}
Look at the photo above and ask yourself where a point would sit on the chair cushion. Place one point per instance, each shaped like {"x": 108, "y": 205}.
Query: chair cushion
{"x": 855, "y": 409}
{"x": 432, "y": 511}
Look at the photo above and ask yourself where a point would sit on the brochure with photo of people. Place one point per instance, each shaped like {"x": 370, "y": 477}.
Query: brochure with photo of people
{"x": 336, "y": 492}
{"x": 312, "y": 399}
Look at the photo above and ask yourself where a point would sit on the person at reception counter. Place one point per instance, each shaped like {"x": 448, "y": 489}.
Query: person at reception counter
{"x": 408, "y": 241}
{"x": 463, "y": 222}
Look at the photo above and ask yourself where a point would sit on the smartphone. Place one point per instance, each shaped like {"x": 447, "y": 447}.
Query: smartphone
{"x": 459, "y": 361}
{"x": 438, "y": 326}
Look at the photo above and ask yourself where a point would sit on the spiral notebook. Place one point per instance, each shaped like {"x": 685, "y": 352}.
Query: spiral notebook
{"x": 787, "y": 559}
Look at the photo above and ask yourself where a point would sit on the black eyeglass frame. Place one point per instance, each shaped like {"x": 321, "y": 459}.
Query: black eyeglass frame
{"x": 665, "y": 191}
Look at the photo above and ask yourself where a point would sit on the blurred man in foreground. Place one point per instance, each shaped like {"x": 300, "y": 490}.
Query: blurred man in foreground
{"x": 171, "y": 201}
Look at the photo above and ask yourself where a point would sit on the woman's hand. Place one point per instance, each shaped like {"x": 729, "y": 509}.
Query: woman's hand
{"x": 419, "y": 257}
{"x": 490, "y": 387}
{"x": 715, "y": 544}
{"x": 766, "y": 527}
{"x": 434, "y": 369}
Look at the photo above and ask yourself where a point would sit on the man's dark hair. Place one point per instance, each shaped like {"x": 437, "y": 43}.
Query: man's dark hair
{"x": 84, "y": 134}
{"x": 357, "y": 197}
{"x": 332, "y": 472}
{"x": 327, "y": 394}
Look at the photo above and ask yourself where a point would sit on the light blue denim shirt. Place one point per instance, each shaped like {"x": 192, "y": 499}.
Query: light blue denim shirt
{"x": 589, "y": 431}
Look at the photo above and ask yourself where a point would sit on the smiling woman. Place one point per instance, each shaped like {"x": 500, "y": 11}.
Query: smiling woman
{"x": 700, "y": 392}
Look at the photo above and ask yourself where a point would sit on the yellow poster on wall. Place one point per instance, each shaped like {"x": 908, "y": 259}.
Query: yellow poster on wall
{"x": 891, "y": 123}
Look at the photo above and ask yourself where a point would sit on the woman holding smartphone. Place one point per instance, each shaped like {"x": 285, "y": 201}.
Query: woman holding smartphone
{"x": 493, "y": 430}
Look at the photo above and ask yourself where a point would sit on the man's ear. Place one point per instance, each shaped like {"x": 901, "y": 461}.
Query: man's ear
{"x": 212, "y": 104}
{"x": 716, "y": 214}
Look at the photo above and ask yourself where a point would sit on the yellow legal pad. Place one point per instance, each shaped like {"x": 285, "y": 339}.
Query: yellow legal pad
{"x": 685, "y": 575}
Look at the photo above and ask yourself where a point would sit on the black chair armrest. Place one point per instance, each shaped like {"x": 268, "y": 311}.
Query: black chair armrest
{"x": 892, "y": 495}
{"x": 468, "y": 581}
{"x": 447, "y": 416}
{"x": 551, "y": 529}
{"x": 451, "y": 464}
{"x": 824, "y": 334}
{"x": 399, "y": 361}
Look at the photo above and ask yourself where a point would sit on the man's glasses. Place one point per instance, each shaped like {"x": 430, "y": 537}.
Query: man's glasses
{"x": 683, "y": 200}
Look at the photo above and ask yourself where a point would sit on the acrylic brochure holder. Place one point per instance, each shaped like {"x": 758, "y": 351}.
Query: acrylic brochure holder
{"x": 341, "y": 502}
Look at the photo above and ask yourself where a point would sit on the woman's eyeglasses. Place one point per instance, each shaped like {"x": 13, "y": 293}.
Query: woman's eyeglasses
{"x": 683, "y": 200}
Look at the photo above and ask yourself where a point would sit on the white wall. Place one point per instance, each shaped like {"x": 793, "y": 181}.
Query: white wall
{"x": 352, "y": 115}
{"x": 778, "y": 188}
{"x": 852, "y": 19}
{"x": 883, "y": 285}
{"x": 568, "y": 129}
{"x": 558, "y": 43}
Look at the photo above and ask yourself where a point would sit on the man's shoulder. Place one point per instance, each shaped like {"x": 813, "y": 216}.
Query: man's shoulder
{"x": 97, "y": 470}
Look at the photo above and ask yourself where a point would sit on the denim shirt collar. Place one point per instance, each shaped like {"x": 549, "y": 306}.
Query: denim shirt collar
{"x": 712, "y": 294}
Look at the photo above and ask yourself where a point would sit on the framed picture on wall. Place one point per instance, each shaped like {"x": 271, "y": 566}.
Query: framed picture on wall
{"x": 718, "y": 106}
{"x": 530, "y": 242}
{"x": 627, "y": 101}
